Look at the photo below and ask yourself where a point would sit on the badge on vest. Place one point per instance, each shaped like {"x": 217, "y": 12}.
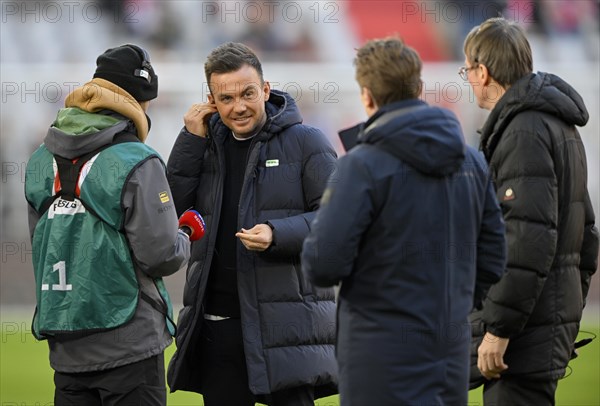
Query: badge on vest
{"x": 65, "y": 207}
{"x": 164, "y": 197}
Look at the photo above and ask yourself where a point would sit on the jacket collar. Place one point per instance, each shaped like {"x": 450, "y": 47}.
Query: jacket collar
{"x": 99, "y": 94}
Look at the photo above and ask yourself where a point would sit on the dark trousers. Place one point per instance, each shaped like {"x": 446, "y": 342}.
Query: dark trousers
{"x": 518, "y": 391}
{"x": 140, "y": 383}
{"x": 224, "y": 376}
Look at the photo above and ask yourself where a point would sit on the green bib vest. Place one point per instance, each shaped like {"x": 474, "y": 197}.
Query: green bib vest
{"x": 84, "y": 274}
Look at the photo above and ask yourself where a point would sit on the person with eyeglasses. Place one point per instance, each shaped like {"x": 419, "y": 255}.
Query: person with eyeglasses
{"x": 463, "y": 73}
{"x": 526, "y": 330}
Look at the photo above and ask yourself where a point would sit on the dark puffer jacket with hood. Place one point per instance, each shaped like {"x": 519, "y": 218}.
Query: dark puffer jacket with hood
{"x": 288, "y": 324}
{"x": 539, "y": 165}
{"x": 411, "y": 227}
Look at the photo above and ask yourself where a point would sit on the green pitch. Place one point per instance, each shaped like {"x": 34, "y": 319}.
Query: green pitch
{"x": 26, "y": 377}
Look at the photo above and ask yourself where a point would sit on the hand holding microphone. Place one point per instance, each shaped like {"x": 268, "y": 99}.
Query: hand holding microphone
{"x": 192, "y": 223}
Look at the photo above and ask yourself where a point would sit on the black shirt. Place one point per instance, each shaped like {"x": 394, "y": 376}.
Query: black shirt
{"x": 221, "y": 293}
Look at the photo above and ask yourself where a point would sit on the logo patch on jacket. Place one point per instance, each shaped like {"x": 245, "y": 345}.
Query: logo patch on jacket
{"x": 65, "y": 207}
{"x": 272, "y": 162}
{"x": 509, "y": 194}
{"x": 164, "y": 197}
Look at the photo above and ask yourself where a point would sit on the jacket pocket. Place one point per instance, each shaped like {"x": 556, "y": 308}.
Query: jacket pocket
{"x": 304, "y": 285}
{"x": 191, "y": 288}
{"x": 477, "y": 325}
{"x": 183, "y": 323}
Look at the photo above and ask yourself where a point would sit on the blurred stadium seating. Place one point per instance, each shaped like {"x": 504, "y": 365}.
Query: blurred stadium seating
{"x": 47, "y": 48}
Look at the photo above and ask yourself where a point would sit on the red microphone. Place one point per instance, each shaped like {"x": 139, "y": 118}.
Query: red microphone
{"x": 192, "y": 223}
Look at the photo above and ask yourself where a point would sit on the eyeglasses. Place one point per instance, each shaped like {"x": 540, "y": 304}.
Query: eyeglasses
{"x": 462, "y": 72}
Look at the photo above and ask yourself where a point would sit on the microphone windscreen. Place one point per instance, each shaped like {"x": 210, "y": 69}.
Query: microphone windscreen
{"x": 194, "y": 221}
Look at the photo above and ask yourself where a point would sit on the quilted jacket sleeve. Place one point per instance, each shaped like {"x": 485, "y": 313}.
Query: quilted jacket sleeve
{"x": 589, "y": 249}
{"x": 528, "y": 194}
{"x": 184, "y": 168}
{"x": 491, "y": 245}
{"x": 319, "y": 162}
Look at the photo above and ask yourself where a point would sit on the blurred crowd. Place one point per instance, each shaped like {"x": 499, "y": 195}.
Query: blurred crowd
{"x": 46, "y": 42}
{"x": 293, "y": 31}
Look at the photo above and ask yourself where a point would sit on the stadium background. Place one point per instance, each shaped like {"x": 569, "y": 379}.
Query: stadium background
{"x": 47, "y": 48}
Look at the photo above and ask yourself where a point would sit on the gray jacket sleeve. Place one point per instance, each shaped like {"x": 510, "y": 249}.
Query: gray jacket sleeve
{"x": 158, "y": 247}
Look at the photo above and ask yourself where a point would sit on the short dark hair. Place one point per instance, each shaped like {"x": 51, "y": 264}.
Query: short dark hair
{"x": 390, "y": 69}
{"x": 501, "y": 46}
{"x": 230, "y": 57}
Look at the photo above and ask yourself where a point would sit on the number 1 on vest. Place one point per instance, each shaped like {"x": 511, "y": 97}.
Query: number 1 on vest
{"x": 62, "y": 278}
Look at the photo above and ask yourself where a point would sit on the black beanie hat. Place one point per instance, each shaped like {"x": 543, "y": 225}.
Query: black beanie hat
{"x": 128, "y": 67}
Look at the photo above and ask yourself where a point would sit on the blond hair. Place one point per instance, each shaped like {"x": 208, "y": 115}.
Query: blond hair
{"x": 390, "y": 69}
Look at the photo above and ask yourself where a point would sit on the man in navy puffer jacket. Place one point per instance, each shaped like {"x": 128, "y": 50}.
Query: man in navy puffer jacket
{"x": 411, "y": 228}
{"x": 252, "y": 328}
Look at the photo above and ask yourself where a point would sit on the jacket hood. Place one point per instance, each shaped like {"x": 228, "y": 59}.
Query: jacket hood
{"x": 76, "y": 132}
{"x": 282, "y": 112}
{"x": 427, "y": 138}
{"x": 99, "y": 94}
{"x": 543, "y": 92}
